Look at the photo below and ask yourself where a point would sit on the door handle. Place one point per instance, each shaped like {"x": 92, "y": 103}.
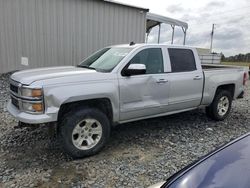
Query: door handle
{"x": 160, "y": 81}
{"x": 197, "y": 78}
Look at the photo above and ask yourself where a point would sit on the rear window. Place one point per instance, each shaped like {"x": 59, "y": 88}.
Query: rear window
{"x": 182, "y": 60}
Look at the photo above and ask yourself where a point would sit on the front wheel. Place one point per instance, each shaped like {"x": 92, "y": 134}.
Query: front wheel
{"x": 221, "y": 105}
{"x": 84, "y": 132}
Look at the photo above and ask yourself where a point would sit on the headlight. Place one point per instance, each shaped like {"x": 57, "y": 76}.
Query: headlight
{"x": 32, "y": 100}
{"x": 33, "y": 107}
{"x": 29, "y": 92}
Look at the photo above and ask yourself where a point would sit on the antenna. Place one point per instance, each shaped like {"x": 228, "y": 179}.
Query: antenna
{"x": 131, "y": 43}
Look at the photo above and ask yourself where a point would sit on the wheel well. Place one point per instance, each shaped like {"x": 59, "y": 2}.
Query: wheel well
{"x": 102, "y": 104}
{"x": 227, "y": 87}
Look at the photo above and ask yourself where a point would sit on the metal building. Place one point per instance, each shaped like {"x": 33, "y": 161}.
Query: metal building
{"x": 39, "y": 33}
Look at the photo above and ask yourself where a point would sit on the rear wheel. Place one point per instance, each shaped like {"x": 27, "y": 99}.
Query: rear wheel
{"x": 84, "y": 132}
{"x": 221, "y": 105}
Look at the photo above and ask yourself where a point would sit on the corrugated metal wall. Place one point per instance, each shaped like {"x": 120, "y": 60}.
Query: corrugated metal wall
{"x": 63, "y": 32}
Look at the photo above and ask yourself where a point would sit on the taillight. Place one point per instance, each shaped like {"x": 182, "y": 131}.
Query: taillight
{"x": 245, "y": 79}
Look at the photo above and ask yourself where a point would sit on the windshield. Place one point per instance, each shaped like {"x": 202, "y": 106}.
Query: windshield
{"x": 105, "y": 60}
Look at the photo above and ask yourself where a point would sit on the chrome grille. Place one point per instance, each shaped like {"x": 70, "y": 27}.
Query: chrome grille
{"x": 15, "y": 102}
{"x": 13, "y": 88}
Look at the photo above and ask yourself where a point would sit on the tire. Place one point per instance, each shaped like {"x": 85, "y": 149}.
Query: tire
{"x": 220, "y": 108}
{"x": 84, "y": 132}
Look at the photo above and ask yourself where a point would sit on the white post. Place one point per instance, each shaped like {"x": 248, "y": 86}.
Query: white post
{"x": 172, "y": 41}
{"x": 185, "y": 34}
{"x": 159, "y": 33}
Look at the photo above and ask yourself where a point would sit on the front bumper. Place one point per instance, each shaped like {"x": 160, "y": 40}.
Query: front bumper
{"x": 31, "y": 118}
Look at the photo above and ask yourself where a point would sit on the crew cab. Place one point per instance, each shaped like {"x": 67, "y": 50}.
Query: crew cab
{"x": 119, "y": 84}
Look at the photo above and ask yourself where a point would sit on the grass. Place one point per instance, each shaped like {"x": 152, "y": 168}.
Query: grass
{"x": 245, "y": 64}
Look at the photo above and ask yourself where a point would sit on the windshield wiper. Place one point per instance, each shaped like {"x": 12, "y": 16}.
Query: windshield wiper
{"x": 86, "y": 66}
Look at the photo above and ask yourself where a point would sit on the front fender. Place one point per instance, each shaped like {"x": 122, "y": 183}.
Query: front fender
{"x": 55, "y": 96}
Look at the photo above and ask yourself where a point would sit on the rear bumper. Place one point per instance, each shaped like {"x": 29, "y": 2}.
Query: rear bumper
{"x": 241, "y": 95}
{"x": 31, "y": 118}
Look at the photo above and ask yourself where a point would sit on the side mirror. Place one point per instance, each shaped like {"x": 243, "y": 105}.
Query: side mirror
{"x": 135, "y": 69}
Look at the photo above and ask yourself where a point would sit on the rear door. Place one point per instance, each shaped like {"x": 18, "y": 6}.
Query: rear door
{"x": 186, "y": 79}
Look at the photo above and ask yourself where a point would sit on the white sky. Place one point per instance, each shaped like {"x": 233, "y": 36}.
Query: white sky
{"x": 232, "y": 19}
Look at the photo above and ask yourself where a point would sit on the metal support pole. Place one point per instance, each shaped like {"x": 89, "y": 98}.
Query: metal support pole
{"x": 212, "y": 37}
{"x": 172, "y": 41}
{"x": 185, "y": 34}
{"x": 159, "y": 33}
{"x": 147, "y": 37}
{"x": 147, "y": 34}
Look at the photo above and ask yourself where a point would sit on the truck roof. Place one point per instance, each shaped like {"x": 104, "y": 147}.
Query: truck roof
{"x": 151, "y": 44}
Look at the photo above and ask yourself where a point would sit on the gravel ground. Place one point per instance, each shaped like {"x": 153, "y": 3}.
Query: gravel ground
{"x": 138, "y": 154}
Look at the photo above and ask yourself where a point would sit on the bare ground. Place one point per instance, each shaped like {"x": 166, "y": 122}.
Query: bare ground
{"x": 138, "y": 154}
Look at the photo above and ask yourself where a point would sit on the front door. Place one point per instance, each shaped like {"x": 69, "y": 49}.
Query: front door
{"x": 147, "y": 94}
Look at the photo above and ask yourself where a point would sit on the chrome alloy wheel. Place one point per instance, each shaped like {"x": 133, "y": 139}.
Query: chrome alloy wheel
{"x": 223, "y": 106}
{"x": 86, "y": 134}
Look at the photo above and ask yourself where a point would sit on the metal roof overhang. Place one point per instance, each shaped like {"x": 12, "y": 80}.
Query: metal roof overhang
{"x": 155, "y": 20}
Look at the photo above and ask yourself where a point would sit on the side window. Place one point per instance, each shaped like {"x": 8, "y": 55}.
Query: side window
{"x": 182, "y": 60}
{"x": 151, "y": 58}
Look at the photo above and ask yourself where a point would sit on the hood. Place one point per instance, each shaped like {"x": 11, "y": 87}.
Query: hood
{"x": 29, "y": 76}
{"x": 157, "y": 185}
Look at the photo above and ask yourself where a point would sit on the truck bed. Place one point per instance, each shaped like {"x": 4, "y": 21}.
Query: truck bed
{"x": 216, "y": 67}
{"x": 216, "y": 75}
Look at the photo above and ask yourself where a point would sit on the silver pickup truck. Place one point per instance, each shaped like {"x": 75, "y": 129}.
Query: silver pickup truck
{"x": 121, "y": 84}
